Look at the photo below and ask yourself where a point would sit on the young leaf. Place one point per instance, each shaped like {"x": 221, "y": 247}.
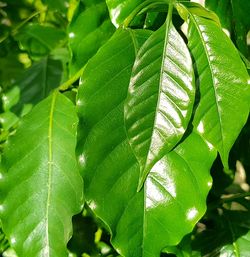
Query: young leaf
{"x": 161, "y": 96}
{"x": 223, "y": 83}
{"x": 173, "y": 198}
{"x": 41, "y": 188}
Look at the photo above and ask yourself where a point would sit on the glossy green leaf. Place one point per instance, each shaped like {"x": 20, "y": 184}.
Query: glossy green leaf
{"x": 39, "y": 40}
{"x": 120, "y": 9}
{"x": 223, "y": 83}
{"x": 173, "y": 198}
{"x": 37, "y": 82}
{"x": 160, "y": 97}
{"x": 196, "y": 9}
{"x": 41, "y": 188}
{"x": 89, "y": 29}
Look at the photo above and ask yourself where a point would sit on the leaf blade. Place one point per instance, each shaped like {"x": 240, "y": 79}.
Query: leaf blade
{"x": 223, "y": 82}
{"x": 109, "y": 167}
{"x": 38, "y": 223}
{"x": 160, "y": 99}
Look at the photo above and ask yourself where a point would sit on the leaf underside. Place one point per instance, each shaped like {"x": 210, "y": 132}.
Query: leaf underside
{"x": 41, "y": 187}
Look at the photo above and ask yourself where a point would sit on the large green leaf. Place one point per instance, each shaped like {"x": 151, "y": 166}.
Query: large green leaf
{"x": 161, "y": 96}
{"x": 41, "y": 188}
{"x": 37, "y": 81}
{"x": 89, "y": 29}
{"x": 223, "y": 83}
{"x": 173, "y": 198}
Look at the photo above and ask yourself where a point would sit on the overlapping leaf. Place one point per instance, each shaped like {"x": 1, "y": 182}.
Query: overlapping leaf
{"x": 173, "y": 198}
{"x": 223, "y": 83}
{"x": 41, "y": 187}
{"x": 161, "y": 96}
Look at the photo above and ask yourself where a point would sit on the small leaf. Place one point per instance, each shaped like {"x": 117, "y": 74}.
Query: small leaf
{"x": 41, "y": 188}
{"x": 223, "y": 81}
{"x": 160, "y": 99}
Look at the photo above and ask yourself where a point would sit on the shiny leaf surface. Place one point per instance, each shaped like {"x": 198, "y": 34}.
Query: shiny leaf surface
{"x": 41, "y": 188}
{"x": 223, "y": 84}
{"x": 163, "y": 212}
{"x": 160, "y": 97}
{"x": 120, "y": 9}
{"x": 89, "y": 29}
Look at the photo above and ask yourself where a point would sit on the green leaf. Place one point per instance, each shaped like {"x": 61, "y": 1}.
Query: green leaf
{"x": 228, "y": 236}
{"x": 8, "y": 120}
{"x": 160, "y": 99}
{"x": 196, "y": 9}
{"x": 241, "y": 247}
{"x": 39, "y": 40}
{"x": 120, "y": 9}
{"x": 234, "y": 16}
{"x": 223, "y": 83}
{"x": 89, "y": 30}
{"x": 223, "y": 9}
{"x": 41, "y": 188}
{"x": 173, "y": 198}
{"x": 37, "y": 82}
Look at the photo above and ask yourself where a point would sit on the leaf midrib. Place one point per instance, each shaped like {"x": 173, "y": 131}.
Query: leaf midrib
{"x": 212, "y": 76}
{"x": 50, "y": 167}
{"x": 145, "y": 170}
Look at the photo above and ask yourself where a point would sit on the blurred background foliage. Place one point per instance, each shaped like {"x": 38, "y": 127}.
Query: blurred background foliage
{"x": 46, "y": 43}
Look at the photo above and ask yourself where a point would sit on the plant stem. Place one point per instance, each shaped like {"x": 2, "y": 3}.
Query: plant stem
{"x": 232, "y": 198}
{"x": 67, "y": 84}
